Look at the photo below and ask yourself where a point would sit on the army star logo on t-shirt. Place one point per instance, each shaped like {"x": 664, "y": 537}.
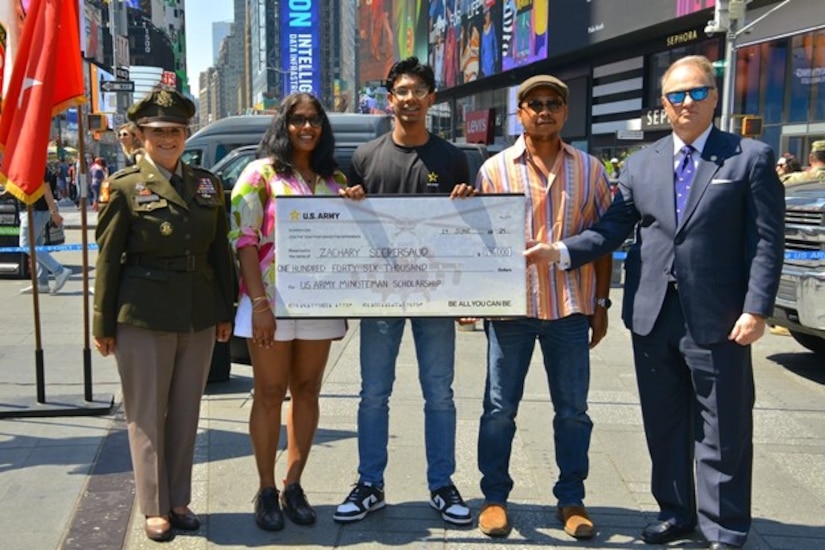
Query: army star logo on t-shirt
{"x": 432, "y": 177}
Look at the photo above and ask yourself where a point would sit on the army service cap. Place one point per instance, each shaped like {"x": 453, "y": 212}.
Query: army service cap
{"x": 163, "y": 108}
{"x": 818, "y": 146}
{"x": 542, "y": 80}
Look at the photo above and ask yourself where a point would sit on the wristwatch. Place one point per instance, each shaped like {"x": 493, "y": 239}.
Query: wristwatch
{"x": 604, "y": 302}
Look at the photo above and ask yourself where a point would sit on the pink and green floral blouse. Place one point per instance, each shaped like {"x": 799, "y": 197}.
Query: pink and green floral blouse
{"x": 252, "y": 219}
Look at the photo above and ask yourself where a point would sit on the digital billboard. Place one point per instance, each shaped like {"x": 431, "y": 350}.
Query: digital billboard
{"x": 389, "y": 30}
{"x": 301, "y": 46}
{"x": 576, "y": 24}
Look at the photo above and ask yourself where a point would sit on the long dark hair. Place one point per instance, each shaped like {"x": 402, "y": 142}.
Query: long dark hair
{"x": 276, "y": 145}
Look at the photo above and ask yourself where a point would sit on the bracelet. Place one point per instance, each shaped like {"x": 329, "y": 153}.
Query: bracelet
{"x": 258, "y": 300}
{"x": 267, "y": 308}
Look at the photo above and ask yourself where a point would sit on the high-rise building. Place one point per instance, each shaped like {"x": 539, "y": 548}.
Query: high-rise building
{"x": 220, "y": 30}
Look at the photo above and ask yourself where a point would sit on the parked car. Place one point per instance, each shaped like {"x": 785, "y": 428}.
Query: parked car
{"x": 800, "y": 302}
{"x": 211, "y": 143}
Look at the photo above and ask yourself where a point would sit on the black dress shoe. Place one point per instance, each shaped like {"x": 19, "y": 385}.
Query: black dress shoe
{"x": 186, "y": 522}
{"x": 666, "y": 531}
{"x": 295, "y": 505}
{"x": 721, "y": 546}
{"x": 157, "y": 533}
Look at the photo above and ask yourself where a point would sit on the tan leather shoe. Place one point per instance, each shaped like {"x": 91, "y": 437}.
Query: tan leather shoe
{"x": 493, "y": 521}
{"x": 576, "y": 522}
{"x": 157, "y": 528}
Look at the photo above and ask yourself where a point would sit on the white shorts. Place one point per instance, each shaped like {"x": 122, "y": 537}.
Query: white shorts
{"x": 290, "y": 329}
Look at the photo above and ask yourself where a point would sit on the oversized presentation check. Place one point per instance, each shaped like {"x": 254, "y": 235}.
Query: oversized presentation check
{"x": 404, "y": 256}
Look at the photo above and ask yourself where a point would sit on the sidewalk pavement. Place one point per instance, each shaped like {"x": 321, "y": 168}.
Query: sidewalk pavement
{"x": 66, "y": 482}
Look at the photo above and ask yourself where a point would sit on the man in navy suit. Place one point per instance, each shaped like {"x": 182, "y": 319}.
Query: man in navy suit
{"x": 700, "y": 279}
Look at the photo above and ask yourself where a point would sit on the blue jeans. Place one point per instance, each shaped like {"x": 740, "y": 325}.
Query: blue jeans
{"x": 435, "y": 350}
{"x": 45, "y": 262}
{"x": 564, "y": 345}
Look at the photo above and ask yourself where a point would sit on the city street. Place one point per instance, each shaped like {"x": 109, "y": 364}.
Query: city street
{"x": 65, "y": 482}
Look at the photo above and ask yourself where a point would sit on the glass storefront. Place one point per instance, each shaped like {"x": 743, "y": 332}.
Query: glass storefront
{"x": 784, "y": 82}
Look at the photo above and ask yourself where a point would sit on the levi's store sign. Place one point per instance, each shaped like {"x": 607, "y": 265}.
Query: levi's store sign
{"x": 478, "y": 126}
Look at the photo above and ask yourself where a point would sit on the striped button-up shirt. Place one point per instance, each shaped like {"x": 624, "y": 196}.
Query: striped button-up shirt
{"x": 567, "y": 200}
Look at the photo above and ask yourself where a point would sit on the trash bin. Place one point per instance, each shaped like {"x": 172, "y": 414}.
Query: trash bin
{"x": 12, "y": 264}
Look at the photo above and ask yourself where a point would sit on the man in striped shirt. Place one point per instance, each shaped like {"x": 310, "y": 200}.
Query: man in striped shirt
{"x": 565, "y": 191}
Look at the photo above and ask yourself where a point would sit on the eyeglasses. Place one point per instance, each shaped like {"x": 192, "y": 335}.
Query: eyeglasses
{"x": 552, "y": 105}
{"x": 781, "y": 163}
{"x": 299, "y": 121}
{"x": 696, "y": 94}
{"x": 404, "y": 93}
{"x": 125, "y": 134}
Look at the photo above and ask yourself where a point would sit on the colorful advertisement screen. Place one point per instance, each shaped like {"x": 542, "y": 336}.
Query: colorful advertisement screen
{"x": 389, "y": 30}
{"x": 301, "y": 46}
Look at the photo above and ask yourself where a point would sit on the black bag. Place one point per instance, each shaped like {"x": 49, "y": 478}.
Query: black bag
{"x": 54, "y": 233}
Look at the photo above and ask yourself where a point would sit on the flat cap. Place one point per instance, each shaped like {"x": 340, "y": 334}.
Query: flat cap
{"x": 540, "y": 80}
{"x": 162, "y": 108}
{"x": 818, "y": 146}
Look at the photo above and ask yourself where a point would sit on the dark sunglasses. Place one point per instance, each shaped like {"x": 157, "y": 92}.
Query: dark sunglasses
{"x": 696, "y": 94}
{"x": 125, "y": 134}
{"x": 300, "y": 121}
{"x": 552, "y": 105}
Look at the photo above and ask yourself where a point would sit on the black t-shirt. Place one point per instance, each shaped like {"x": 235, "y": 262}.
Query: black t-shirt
{"x": 383, "y": 167}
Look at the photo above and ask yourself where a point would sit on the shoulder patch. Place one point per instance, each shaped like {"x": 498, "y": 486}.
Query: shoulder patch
{"x": 128, "y": 171}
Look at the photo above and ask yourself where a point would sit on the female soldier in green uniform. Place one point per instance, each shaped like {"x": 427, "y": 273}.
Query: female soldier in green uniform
{"x": 162, "y": 296}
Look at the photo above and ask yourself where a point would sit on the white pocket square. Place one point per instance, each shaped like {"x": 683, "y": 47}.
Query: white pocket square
{"x": 720, "y": 181}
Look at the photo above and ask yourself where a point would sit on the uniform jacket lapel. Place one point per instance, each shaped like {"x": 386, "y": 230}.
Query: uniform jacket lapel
{"x": 159, "y": 184}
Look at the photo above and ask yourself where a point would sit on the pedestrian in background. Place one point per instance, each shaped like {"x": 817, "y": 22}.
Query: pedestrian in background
{"x": 129, "y": 142}
{"x": 44, "y": 211}
{"x": 297, "y": 159}
{"x": 816, "y": 166}
{"x": 163, "y": 295}
{"x": 701, "y": 279}
{"x": 409, "y": 160}
{"x": 566, "y": 191}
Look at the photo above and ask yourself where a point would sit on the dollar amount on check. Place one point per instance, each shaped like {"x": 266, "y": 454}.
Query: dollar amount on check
{"x": 404, "y": 256}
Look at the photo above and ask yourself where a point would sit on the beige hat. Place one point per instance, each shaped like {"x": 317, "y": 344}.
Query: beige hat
{"x": 818, "y": 146}
{"x": 542, "y": 80}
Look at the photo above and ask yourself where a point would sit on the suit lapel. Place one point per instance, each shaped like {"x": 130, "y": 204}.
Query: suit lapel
{"x": 711, "y": 159}
{"x": 662, "y": 163}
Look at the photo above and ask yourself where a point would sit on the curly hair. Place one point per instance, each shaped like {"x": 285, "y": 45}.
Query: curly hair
{"x": 275, "y": 143}
{"x": 412, "y": 66}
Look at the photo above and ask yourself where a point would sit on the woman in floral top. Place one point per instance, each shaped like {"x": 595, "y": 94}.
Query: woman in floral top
{"x": 289, "y": 353}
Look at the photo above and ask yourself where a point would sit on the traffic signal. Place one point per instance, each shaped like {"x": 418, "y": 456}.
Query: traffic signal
{"x": 98, "y": 122}
{"x": 751, "y": 126}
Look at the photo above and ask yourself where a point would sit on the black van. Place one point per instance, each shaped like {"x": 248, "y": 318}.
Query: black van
{"x": 213, "y": 142}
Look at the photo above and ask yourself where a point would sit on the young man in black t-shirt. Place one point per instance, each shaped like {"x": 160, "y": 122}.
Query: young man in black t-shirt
{"x": 410, "y": 160}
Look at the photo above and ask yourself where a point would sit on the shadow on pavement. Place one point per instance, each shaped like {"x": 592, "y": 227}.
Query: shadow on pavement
{"x": 805, "y": 364}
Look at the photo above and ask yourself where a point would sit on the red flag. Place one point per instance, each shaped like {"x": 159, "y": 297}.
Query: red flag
{"x": 50, "y": 43}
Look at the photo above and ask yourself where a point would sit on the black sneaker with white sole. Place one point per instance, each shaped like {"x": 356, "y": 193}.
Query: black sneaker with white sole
{"x": 448, "y": 501}
{"x": 363, "y": 499}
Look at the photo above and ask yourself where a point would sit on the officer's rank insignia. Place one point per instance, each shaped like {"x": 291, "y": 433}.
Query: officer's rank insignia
{"x": 164, "y": 99}
{"x": 166, "y": 229}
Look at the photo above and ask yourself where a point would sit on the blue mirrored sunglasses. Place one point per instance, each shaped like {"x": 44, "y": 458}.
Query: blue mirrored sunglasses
{"x": 696, "y": 94}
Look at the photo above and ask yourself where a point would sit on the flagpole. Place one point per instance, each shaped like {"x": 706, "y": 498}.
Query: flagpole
{"x": 84, "y": 239}
{"x": 39, "y": 366}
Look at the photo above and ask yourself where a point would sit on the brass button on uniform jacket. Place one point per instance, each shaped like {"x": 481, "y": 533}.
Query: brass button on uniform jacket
{"x": 164, "y": 261}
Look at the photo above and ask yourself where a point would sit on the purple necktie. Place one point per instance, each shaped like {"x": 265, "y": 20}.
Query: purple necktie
{"x": 683, "y": 177}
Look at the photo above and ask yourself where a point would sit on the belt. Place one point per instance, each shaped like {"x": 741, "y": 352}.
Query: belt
{"x": 186, "y": 263}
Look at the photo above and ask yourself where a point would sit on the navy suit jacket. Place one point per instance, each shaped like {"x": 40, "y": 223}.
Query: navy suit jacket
{"x": 726, "y": 253}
